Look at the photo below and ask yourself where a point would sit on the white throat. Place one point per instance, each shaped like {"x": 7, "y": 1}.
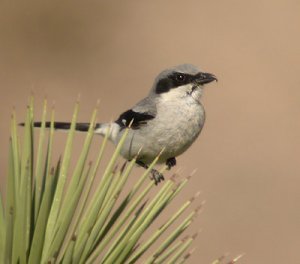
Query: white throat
{"x": 186, "y": 92}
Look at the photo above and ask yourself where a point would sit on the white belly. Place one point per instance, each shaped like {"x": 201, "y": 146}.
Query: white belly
{"x": 174, "y": 128}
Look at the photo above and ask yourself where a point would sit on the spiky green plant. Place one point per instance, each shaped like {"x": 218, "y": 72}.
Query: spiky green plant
{"x": 50, "y": 214}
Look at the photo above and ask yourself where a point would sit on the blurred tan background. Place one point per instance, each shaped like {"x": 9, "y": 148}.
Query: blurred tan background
{"x": 248, "y": 153}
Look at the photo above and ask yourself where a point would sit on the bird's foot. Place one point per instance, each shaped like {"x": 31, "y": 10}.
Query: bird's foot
{"x": 156, "y": 176}
{"x": 171, "y": 162}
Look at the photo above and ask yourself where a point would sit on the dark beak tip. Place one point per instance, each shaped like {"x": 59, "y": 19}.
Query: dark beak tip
{"x": 204, "y": 78}
{"x": 213, "y": 77}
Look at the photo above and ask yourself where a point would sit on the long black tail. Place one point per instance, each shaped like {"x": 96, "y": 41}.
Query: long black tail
{"x": 64, "y": 125}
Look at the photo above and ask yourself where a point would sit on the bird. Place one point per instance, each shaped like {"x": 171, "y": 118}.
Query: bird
{"x": 169, "y": 118}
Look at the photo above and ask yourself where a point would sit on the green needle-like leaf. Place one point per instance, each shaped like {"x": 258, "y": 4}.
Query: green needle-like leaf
{"x": 39, "y": 233}
{"x": 172, "y": 237}
{"x": 80, "y": 164}
{"x": 56, "y": 205}
{"x": 23, "y": 197}
{"x": 39, "y": 179}
{"x": 160, "y": 231}
{"x": 69, "y": 252}
{"x": 73, "y": 194}
{"x": 15, "y": 153}
{"x": 98, "y": 198}
{"x": 2, "y": 230}
{"x": 181, "y": 250}
{"x": 120, "y": 249}
{"x": 168, "y": 252}
{"x": 57, "y": 215}
{"x": 9, "y": 207}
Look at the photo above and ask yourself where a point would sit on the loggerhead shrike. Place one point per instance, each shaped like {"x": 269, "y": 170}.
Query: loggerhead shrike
{"x": 171, "y": 117}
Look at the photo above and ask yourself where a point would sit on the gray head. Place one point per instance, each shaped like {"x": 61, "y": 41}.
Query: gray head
{"x": 180, "y": 81}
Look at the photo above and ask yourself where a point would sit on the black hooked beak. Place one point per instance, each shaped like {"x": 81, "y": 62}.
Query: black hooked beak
{"x": 205, "y": 77}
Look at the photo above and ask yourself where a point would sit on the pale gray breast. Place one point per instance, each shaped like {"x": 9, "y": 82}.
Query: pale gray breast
{"x": 180, "y": 125}
{"x": 175, "y": 127}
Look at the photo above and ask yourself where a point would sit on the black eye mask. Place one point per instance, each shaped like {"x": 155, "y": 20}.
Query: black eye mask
{"x": 173, "y": 81}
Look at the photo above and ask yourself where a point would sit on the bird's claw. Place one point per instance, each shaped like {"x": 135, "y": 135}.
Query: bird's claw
{"x": 171, "y": 162}
{"x": 156, "y": 176}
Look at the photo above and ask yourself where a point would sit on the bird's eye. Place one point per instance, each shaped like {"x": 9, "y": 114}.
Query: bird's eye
{"x": 202, "y": 76}
{"x": 180, "y": 77}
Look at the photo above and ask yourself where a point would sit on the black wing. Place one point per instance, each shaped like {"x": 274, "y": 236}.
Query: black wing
{"x": 136, "y": 118}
